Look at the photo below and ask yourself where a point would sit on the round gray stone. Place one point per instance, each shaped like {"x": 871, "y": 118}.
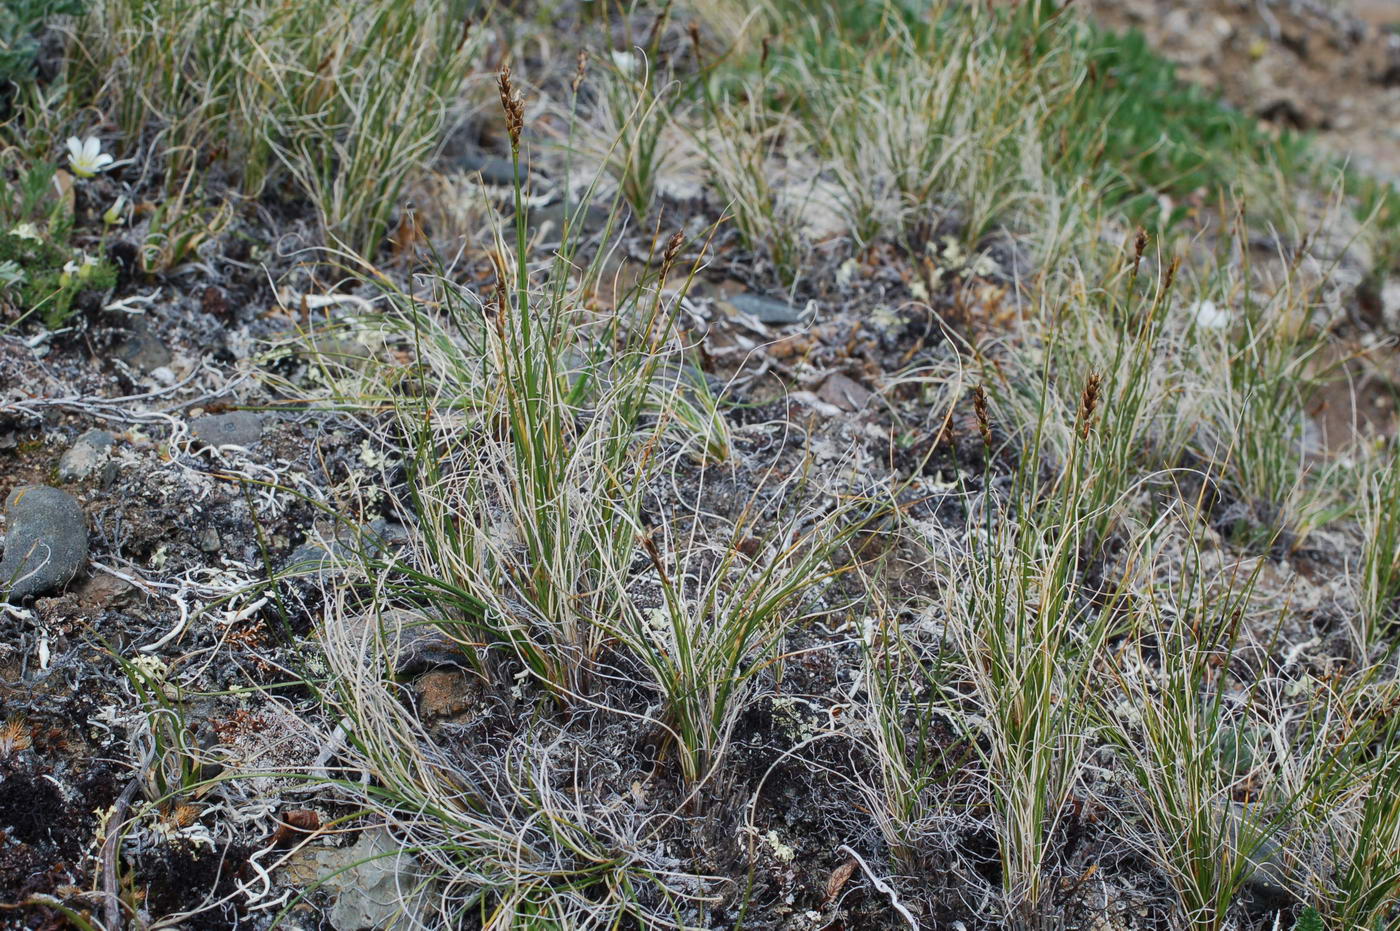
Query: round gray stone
{"x": 47, "y": 542}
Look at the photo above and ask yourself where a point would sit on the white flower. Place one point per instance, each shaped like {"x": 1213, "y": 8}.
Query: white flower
{"x": 85, "y": 156}
{"x": 113, "y": 216}
{"x": 625, "y": 62}
{"x": 1208, "y": 315}
{"x": 26, "y": 231}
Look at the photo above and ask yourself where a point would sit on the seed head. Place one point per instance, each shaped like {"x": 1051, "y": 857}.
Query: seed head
{"x": 673, "y": 248}
{"x": 501, "y": 297}
{"x": 1089, "y": 403}
{"x": 1171, "y": 274}
{"x": 500, "y": 304}
{"x": 1139, "y": 246}
{"x": 513, "y": 106}
{"x": 654, "y": 555}
{"x": 979, "y": 408}
{"x": 580, "y": 70}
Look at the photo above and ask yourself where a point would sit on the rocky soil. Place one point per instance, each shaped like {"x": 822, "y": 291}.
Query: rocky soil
{"x": 1332, "y": 69}
{"x": 158, "y": 467}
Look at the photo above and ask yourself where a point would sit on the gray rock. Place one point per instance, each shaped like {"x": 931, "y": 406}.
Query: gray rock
{"x": 494, "y": 170}
{"x": 593, "y": 218}
{"x": 412, "y": 643}
{"x": 766, "y": 309}
{"x": 418, "y": 644}
{"x": 209, "y": 540}
{"x": 382, "y": 536}
{"x": 47, "y": 542}
{"x": 240, "y": 428}
{"x": 86, "y": 455}
{"x": 844, "y": 393}
{"x": 143, "y": 351}
{"x": 313, "y": 557}
{"x": 690, "y": 380}
{"x": 379, "y": 538}
{"x": 338, "y": 351}
{"x": 1267, "y": 876}
{"x": 375, "y": 884}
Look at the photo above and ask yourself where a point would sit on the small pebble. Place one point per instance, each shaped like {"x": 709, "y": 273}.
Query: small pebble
{"x": 240, "y": 428}
{"x": 844, "y": 393}
{"x": 47, "y": 542}
{"x": 766, "y": 309}
{"x": 143, "y": 351}
{"x": 86, "y": 455}
{"x": 379, "y": 539}
{"x": 494, "y": 170}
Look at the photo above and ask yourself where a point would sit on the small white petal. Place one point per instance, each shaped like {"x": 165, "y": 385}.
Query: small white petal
{"x": 625, "y": 62}
{"x": 1208, "y": 315}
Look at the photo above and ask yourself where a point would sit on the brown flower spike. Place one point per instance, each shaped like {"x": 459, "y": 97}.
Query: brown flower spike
{"x": 581, "y": 70}
{"x": 1089, "y": 403}
{"x": 673, "y": 248}
{"x": 979, "y": 407}
{"x": 513, "y": 105}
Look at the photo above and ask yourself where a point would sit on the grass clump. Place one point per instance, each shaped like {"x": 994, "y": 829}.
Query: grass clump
{"x": 339, "y": 100}
{"x": 497, "y": 839}
{"x": 1039, "y": 585}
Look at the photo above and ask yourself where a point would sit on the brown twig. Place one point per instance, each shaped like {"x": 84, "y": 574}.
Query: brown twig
{"x": 112, "y": 907}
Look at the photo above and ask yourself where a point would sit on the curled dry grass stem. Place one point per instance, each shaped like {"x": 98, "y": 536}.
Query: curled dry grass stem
{"x": 493, "y": 838}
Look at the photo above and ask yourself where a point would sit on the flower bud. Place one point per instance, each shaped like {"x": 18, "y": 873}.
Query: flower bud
{"x": 115, "y": 213}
